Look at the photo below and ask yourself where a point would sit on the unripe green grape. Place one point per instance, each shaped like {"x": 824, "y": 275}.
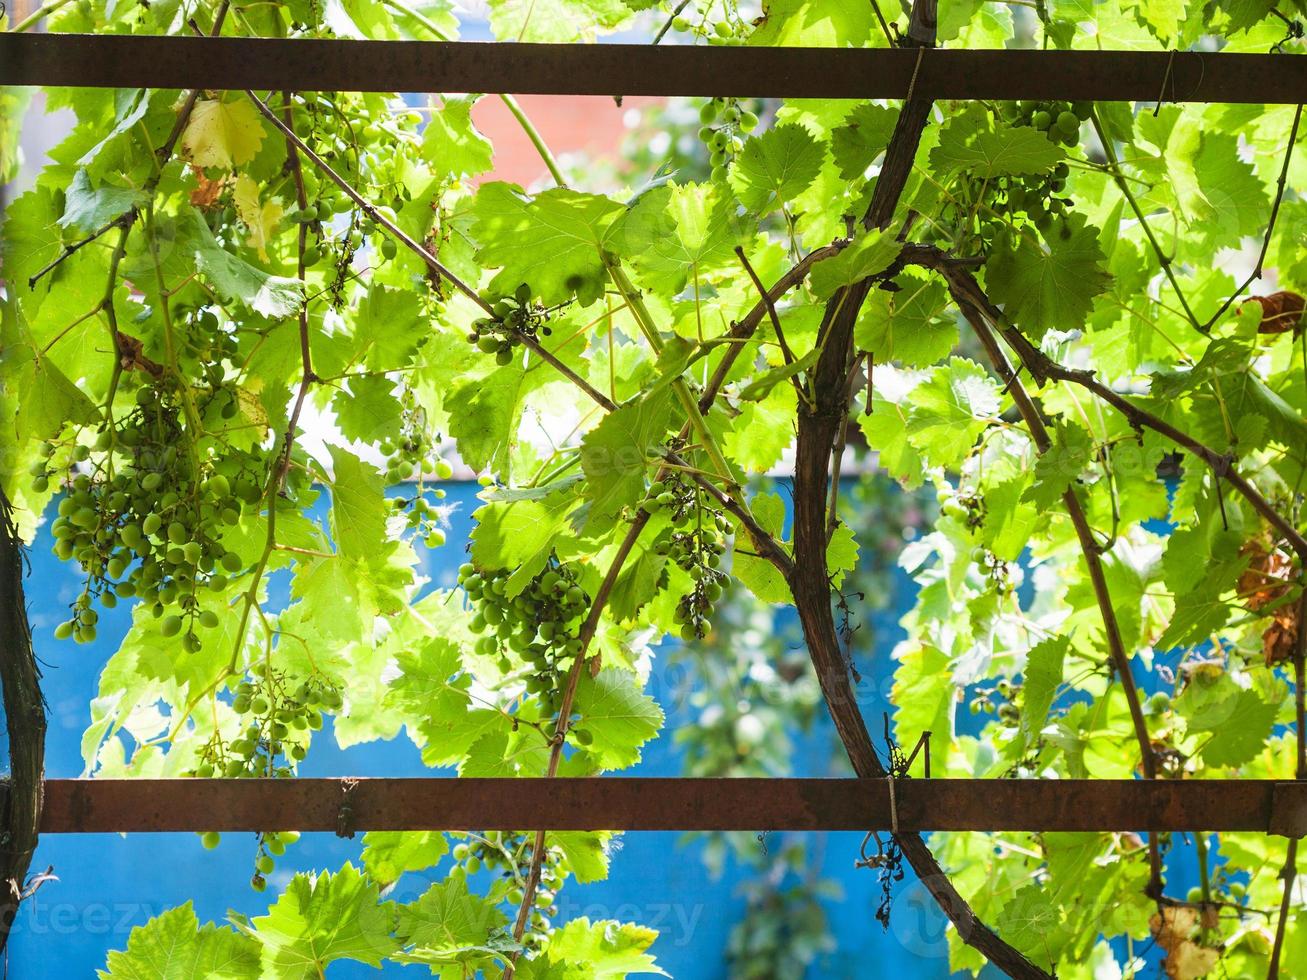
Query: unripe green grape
{"x": 1041, "y": 119}
{"x": 64, "y": 630}
{"x": 85, "y": 634}
{"x": 264, "y": 863}
{"x": 232, "y": 562}
{"x": 708, "y": 112}
{"x": 208, "y": 619}
{"x": 210, "y": 839}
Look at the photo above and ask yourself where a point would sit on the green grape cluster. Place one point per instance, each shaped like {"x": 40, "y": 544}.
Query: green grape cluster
{"x": 716, "y": 23}
{"x": 514, "y": 318}
{"x": 411, "y": 457}
{"x": 508, "y": 856}
{"x": 696, "y": 542}
{"x": 539, "y": 626}
{"x": 1000, "y": 698}
{"x": 272, "y": 845}
{"x": 723, "y": 125}
{"x": 144, "y": 522}
{"x": 279, "y": 712}
{"x": 1060, "y": 121}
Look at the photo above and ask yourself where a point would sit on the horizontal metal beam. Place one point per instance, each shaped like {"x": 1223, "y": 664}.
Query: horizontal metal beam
{"x": 135, "y": 61}
{"x": 631, "y": 803}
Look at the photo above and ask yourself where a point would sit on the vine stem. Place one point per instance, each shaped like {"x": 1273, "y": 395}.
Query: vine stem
{"x": 1289, "y": 872}
{"x": 587, "y": 634}
{"x": 1093, "y": 563}
{"x": 809, "y": 576}
{"x": 761, "y": 538}
{"x": 1270, "y": 224}
{"x": 24, "y": 707}
{"x": 38, "y": 15}
{"x": 963, "y": 285}
{"x": 1123, "y": 186}
{"x": 127, "y": 219}
{"x": 368, "y": 208}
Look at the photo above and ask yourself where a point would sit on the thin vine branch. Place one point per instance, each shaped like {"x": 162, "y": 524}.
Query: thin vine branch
{"x": 1093, "y": 563}
{"x": 1270, "y": 225}
{"x": 1289, "y": 872}
{"x": 1163, "y": 259}
{"x": 24, "y": 707}
{"x": 1042, "y": 368}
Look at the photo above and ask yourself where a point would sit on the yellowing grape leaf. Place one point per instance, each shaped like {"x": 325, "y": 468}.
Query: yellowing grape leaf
{"x": 222, "y": 134}
{"x": 261, "y": 218}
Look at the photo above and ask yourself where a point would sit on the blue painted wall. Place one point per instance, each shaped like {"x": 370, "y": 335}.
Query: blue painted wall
{"x": 108, "y": 884}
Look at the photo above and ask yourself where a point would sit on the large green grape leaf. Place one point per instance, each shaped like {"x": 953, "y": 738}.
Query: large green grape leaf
{"x": 322, "y": 918}
{"x": 863, "y": 136}
{"x": 813, "y": 24}
{"x": 913, "y": 326}
{"x": 673, "y": 231}
{"x": 776, "y": 167}
{"x": 448, "y": 924}
{"x": 236, "y": 279}
{"x": 553, "y": 242}
{"x": 519, "y": 535}
{"x": 452, "y": 144}
{"x": 1052, "y": 285}
{"x": 87, "y": 208}
{"x": 871, "y": 253}
{"x": 173, "y": 946}
{"x": 760, "y": 575}
{"x": 618, "y": 715}
{"x": 387, "y": 854}
{"x": 950, "y": 409}
{"x": 1232, "y": 723}
{"x": 615, "y": 454}
{"x": 994, "y": 153}
{"x": 358, "y": 505}
{"x": 605, "y": 949}
{"x": 1040, "y": 680}
{"x": 555, "y": 20}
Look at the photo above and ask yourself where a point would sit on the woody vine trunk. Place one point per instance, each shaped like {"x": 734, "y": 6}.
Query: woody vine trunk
{"x": 20, "y": 808}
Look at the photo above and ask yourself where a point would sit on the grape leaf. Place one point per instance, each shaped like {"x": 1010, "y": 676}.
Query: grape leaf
{"x": 910, "y": 326}
{"x": 602, "y": 949}
{"x": 776, "y": 167}
{"x": 273, "y": 296}
{"x": 452, "y": 144}
{"x": 222, "y": 134}
{"x": 87, "y": 208}
{"x": 994, "y": 153}
{"x": 863, "y": 137}
{"x": 174, "y": 946}
{"x": 615, "y": 454}
{"x": 619, "y": 716}
{"x": 548, "y": 21}
{"x": 387, "y": 854}
{"x": 871, "y": 253}
{"x": 673, "y": 231}
{"x": 358, "y": 505}
{"x": 320, "y": 919}
{"x": 553, "y": 241}
{"x": 1040, "y": 680}
{"x": 949, "y": 410}
{"x": 813, "y": 24}
{"x": 1049, "y": 287}
{"x": 447, "y": 919}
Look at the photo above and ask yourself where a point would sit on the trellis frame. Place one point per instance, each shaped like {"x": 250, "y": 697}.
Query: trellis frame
{"x": 626, "y": 803}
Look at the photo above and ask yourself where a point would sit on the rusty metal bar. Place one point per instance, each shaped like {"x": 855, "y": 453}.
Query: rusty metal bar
{"x": 633, "y": 803}
{"x": 626, "y": 69}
